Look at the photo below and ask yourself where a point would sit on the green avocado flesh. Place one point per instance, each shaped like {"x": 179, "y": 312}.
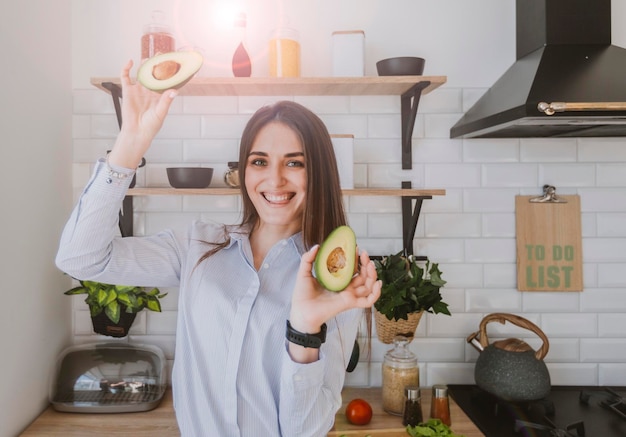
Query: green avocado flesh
{"x": 336, "y": 261}
{"x": 169, "y": 70}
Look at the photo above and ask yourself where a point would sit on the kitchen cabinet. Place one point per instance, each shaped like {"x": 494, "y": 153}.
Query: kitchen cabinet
{"x": 408, "y": 88}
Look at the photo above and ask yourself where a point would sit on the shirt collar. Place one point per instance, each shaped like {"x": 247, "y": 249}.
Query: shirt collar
{"x": 241, "y": 238}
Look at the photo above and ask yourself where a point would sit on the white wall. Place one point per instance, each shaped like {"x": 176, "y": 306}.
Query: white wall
{"x": 470, "y": 231}
{"x": 35, "y": 180}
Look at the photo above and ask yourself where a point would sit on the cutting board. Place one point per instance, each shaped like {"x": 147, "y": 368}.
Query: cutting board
{"x": 549, "y": 244}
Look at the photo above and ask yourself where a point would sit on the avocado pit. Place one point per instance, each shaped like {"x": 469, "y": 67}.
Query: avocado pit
{"x": 165, "y": 70}
{"x": 336, "y": 260}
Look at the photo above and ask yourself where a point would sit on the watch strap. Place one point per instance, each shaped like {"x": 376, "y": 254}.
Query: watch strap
{"x": 306, "y": 340}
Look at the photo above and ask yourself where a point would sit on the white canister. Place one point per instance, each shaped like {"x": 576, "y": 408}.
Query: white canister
{"x": 344, "y": 153}
{"x": 348, "y": 48}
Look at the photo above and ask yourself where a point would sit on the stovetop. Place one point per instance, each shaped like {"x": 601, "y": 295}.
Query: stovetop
{"x": 568, "y": 411}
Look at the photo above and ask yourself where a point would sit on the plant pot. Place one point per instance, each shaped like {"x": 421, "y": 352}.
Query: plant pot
{"x": 387, "y": 330}
{"x": 103, "y": 325}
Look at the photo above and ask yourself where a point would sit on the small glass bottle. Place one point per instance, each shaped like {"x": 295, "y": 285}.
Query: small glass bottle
{"x": 157, "y": 37}
{"x": 399, "y": 370}
{"x": 440, "y": 404}
{"x": 412, "y": 406}
{"x": 242, "y": 67}
{"x": 231, "y": 177}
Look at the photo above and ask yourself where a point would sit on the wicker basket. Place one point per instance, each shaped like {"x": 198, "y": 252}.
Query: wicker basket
{"x": 387, "y": 329}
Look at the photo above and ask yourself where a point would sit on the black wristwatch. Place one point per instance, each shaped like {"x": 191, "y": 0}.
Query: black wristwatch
{"x": 306, "y": 340}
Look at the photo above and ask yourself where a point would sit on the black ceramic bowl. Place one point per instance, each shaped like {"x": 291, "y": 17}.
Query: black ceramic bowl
{"x": 189, "y": 177}
{"x": 401, "y": 66}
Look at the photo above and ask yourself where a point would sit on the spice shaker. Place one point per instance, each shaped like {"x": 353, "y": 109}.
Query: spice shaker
{"x": 399, "y": 371}
{"x": 231, "y": 177}
{"x": 440, "y": 404}
{"x": 412, "y": 406}
{"x": 157, "y": 37}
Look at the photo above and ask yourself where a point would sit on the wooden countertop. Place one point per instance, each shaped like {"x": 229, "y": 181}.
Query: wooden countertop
{"x": 162, "y": 422}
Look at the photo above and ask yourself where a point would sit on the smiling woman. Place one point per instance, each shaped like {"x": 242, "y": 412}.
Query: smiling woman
{"x": 274, "y": 362}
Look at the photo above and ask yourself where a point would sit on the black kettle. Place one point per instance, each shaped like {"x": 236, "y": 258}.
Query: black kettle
{"x": 510, "y": 369}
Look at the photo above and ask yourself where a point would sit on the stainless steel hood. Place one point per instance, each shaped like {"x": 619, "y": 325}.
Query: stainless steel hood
{"x": 568, "y": 80}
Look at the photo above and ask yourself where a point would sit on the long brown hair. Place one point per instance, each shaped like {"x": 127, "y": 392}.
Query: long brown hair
{"x": 323, "y": 210}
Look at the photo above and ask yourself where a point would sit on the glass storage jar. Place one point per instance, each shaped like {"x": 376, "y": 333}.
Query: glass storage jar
{"x": 231, "y": 177}
{"x": 157, "y": 37}
{"x": 284, "y": 52}
{"x": 399, "y": 371}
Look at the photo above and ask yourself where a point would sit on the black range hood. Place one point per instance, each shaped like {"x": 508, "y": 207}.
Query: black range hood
{"x": 565, "y": 65}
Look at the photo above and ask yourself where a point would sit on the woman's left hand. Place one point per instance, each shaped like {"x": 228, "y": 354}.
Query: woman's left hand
{"x": 312, "y": 305}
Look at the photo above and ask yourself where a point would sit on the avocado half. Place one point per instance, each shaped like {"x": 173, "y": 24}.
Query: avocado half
{"x": 169, "y": 70}
{"x": 336, "y": 259}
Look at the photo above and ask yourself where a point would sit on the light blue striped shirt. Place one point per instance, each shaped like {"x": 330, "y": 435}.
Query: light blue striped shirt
{"x": 232, "y": 373}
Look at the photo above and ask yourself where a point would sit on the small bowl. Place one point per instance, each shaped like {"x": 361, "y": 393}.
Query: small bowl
{"x": 401, "y": 66}
{"x": 189, "y": 177}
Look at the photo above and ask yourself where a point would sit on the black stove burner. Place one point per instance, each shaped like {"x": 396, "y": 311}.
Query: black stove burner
{"x": 501, "y": 407}
{"x": 573, "y": 430}
{"x": 609, "y": 399}
{"x": 567, "y": 411}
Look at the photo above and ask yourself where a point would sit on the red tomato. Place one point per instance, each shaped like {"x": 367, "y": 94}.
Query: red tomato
{"x": 359, "y": 412}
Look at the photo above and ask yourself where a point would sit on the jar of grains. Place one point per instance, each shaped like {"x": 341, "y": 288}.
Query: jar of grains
{"x": 399, "y": 371}
{"x": 284, "y": 53}
{"x": 157, "y": 37}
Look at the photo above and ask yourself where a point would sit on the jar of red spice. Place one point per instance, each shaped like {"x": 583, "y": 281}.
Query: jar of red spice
{"x": 157, "y": 37}
{"x": 440, "y": 404}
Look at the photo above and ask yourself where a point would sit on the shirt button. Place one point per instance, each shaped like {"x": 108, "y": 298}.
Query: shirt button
{"x": 284, "y": 243}
{"x": 266, "y": 266}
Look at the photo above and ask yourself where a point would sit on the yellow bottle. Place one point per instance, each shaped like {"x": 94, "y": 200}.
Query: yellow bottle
{"x": 284, "y": 53}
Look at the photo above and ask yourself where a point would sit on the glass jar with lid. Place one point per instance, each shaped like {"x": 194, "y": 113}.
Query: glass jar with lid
{"x": 157, "y": 37}
{"x": 400, "y": 370}
{"x": 231, "y": 177}
{"x": 284, "y": 52}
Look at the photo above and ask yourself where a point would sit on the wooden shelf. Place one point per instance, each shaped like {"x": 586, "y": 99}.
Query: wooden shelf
{"x": 301, "y": 86}
{"x": 166, "y": 191}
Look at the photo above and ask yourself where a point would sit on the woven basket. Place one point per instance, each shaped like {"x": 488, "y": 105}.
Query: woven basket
{"x": 387, "y": 329}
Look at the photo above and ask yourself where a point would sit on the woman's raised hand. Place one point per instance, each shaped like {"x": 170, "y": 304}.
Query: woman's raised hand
{"x": 313, "y": 305}
{"x": 143, "y": 113}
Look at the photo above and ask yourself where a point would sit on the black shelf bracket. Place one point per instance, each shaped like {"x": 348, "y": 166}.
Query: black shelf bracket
{"x": 126, "y": 213}
{"x": 411, "y": 208}
{"x": 409, "y": 102}
{"x": 411, "y": 205}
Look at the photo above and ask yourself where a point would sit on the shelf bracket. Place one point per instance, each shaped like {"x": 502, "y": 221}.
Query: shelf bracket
{"x": 410, "y": 216}
{"x": 126, "y": 213}
{"x": 409, "y": 101}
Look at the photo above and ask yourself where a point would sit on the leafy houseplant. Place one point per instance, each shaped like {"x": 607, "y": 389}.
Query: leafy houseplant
{"x": 113, "y": 307}
{"x": 407, "y": 291}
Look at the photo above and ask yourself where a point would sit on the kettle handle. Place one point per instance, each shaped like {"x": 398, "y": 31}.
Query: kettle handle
{"x": 516, "y": 320}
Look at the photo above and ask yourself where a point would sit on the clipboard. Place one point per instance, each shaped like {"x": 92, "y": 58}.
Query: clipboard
{"x": 549, "y": 242}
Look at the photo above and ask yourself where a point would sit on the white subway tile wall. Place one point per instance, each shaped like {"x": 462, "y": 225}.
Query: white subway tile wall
{"x": 470, "y": 231}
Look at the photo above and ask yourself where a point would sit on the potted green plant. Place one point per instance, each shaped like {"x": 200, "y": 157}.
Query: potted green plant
{"x": 407, "y": 291}
{"x": 113, "y": 308}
